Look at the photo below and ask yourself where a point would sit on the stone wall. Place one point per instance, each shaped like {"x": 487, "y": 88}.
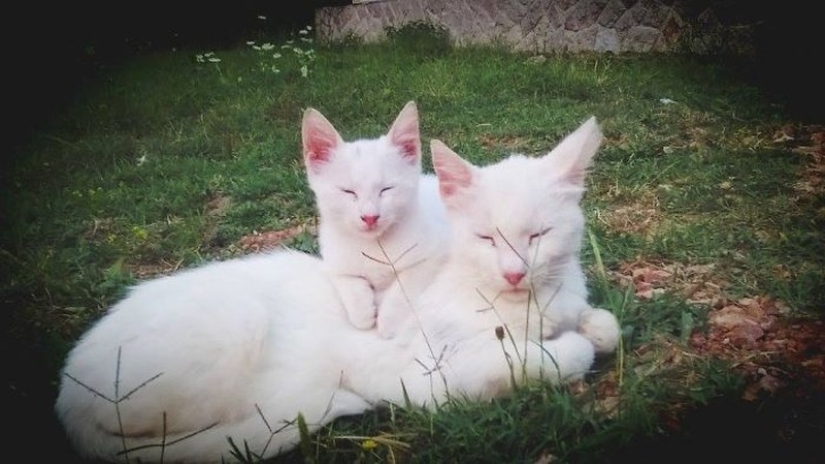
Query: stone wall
{"x": 545, "y": 25}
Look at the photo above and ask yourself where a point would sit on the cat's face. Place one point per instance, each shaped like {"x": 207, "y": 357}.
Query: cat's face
{"x": 366, "y": 186}
{"x": 517, "y": 221}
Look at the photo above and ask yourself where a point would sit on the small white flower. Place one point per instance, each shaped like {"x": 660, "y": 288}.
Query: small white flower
{"x": 214, "y": 60}
{"x": 262, "y": 17}
{"x": 303, "y": 32}
{"x": 255, "y": 47}
{"x": 250, "y": 42}
{"x": 141, "y": 160}
{"x": 666, "y": 101}
{"x": 267, "y": 46}
{"x": 276, "y": 56}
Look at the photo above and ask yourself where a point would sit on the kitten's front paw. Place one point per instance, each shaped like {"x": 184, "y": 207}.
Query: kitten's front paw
{"x": 386, "y": 331}
{"x": 601, "y": 327}
{"x": 392, "y": 313}
{"x": 358, "y": 299}
{"x": 549, "y": 329}
{"x": 361, "y": 319}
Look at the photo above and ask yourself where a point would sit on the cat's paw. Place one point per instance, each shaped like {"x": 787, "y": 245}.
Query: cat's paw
{"x": 386, "y": 322}
{"x": 393, "y": 313}
{"x": 361, "y": 319}
{"x": 385, "y": 330}
{"x": 601, "y": 327}
{"x": 549, "y": 328}
{"x": 358, "y": 299}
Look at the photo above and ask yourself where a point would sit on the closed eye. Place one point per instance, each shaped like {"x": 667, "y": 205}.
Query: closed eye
{"x": 539, "y": 234}
{"x": 386, "y": 189}
{"x": 350, "y": 192}
{"x": 487, "y": 238}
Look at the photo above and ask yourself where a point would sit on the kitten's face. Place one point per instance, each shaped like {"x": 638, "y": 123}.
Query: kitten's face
{"x": 366, "y": 186}
{"x": 518, "y": 221}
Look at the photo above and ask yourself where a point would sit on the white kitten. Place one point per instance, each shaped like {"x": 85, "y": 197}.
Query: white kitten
{"x": 232, "y": 349}
{"x": 380, "y": 219}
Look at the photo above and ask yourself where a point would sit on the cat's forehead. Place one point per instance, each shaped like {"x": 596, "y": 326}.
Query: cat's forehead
{"x": 370, "y": 161}
{"x": 515, "y": 164}
{"x": 515, "y": 175}
{"x": 518, "y": 194}
{"x": 368, "y": 153}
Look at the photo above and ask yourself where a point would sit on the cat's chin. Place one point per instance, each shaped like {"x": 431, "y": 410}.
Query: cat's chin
{"x": 514, "y": 294}
{"x": 370, "y": 233}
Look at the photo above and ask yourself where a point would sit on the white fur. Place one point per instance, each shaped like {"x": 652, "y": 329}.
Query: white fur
{"x": 210, "y": 347}
{"x": 520, "y": 219}
{"x": 601, "y": 328}
{"x": 380, "y": 220}
{"x": 223, "y": 338}
{"x": 238, "y": 349}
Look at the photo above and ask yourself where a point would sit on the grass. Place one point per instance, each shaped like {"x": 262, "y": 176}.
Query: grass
{"x": 165, "y": 161}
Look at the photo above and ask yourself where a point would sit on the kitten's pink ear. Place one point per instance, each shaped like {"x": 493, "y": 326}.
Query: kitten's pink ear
{"x": 404, "y": 133}
{"x": 320, "y": 139}
{"x": 455, "y": 176}
{"x": 572, "y": 157}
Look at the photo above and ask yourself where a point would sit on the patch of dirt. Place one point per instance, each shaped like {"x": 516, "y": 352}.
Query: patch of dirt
{"x": 502, "y": 142}
{"x": 217, "y": 205}
{"x": 778, "y": 416}
{"x": 698, "y": 283}
{"x": 762, "y": 338}
{"x": 147, "y": 271}
{"x": 807, "y": 140}
{"x": 775, "y": 351}
{"x": 641, "y": 217}
{"x": 260, "y": 241}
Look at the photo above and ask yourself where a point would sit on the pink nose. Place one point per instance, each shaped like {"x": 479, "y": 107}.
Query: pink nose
{"x": 370, "y": 220}
{"x": 513, "y": 277}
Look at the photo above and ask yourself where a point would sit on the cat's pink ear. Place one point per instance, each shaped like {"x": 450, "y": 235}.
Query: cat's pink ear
{"x": 319, "y": 138}
{"x": 571, "y": 158}
{"x": 404, "y": 133}
{"x": 455, "y": 176}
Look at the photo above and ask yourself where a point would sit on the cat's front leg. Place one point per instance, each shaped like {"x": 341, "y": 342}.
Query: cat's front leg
{"x": 393, "y": 312}
{"x": 601, "y": 327}
{"x": 397, "y": 308}
{"x": 571, "y": 311}
{"x": 358, "y": 297}
{"x": 561, "y": 313}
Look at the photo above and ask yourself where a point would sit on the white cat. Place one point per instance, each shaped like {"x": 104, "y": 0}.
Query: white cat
{"x": 380, "y": 220}
{"x": 233, "y": 349}
{"x": 517, "y": 229}
{"x": 238, "y": 349}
